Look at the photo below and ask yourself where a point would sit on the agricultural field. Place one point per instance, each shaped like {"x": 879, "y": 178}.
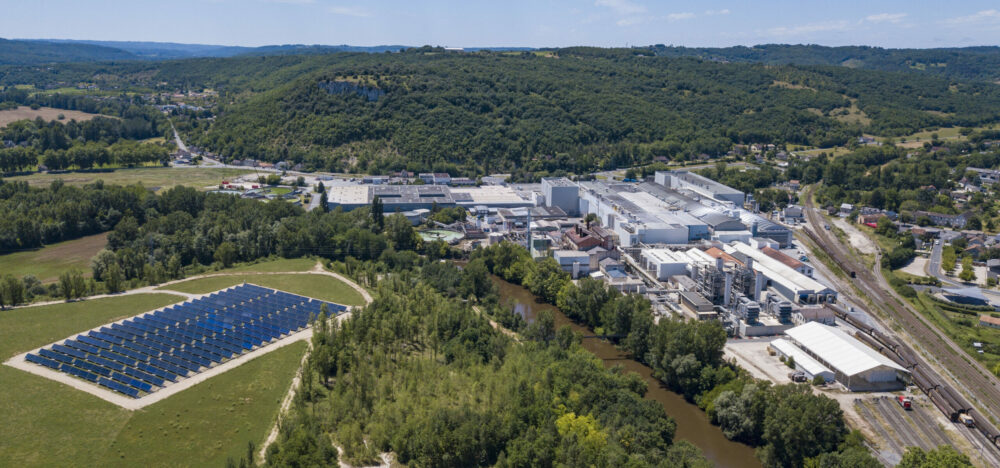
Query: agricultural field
{"x": 50, "y": 261}
{"x": 47, "y": 423}
{"x": 152, "y": 177}
{"x": 317, "y": 286}
{"x": 46, "y": 113}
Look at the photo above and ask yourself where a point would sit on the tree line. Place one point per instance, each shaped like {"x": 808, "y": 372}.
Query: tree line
{"x": 789, "y": 425}
{"x": 424, "y": 376}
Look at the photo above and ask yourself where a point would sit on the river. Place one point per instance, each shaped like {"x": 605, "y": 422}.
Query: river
{"x": 693, "y": 424}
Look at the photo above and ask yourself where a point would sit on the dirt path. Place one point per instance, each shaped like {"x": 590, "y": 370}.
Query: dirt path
{"x": 286, "y": 403}
{"x": 168, "y": 390}
{"x": 160, "y": 288}
{"x": 497, "y": 326}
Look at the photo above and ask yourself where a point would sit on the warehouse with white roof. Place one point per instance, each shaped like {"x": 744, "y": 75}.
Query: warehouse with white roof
{"x": 855, "y": 365}
{"x": 803, "y": 361}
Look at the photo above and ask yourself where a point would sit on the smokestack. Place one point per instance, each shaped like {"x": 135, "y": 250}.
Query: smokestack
{"x": 727, "y": 295}
{"x": 719, "y": 264}
{"x": 758, "y": 286}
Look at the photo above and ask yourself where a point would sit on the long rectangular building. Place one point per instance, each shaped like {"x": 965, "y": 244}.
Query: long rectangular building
{"x": 790, "y": 283}
{"x": 855, "y": 365}
{"x": 412, "y": 197}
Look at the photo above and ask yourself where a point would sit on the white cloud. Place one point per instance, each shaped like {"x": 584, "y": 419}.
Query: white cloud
{"x": 679, "y": 16}
{"x": 886, "y": 18}
{"x": 724, "y": 11}
{"x": 630, "y": 21}
{"x": 978, "y": 17}
{"x": 808, "y": 28}
{"x": 622, "y": 7}
{"x": 354, "y": 11}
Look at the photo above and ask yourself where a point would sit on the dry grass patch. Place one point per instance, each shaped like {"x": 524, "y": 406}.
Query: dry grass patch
{"x": 46, "y": 113}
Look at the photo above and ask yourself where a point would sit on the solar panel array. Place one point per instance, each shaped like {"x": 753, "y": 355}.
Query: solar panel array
{"x": 145, "y": 353}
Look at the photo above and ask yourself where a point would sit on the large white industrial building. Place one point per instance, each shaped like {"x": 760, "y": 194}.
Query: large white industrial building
{"x": 802, "y": 360}
{"x": 414, "y": 197}
{"x": 855, "y": 365}
{"x": 795, "y": 286}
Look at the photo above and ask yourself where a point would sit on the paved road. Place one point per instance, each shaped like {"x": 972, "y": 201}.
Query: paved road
{"x": 950, "y": 360}
{"x": 314, "y": 201}
{"x": 934, "y": 266}
{"x": 177, "y": 138}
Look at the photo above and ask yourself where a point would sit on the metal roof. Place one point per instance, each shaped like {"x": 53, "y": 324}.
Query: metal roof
{"x": 802, "y": 359}
{"x": 842, "y": 352}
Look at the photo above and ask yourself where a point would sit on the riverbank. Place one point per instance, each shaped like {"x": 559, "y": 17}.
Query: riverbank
{"x": 693, "y": 424}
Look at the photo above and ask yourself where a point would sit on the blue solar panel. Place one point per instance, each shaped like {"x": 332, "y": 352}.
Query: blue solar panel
{"x": 93, "y": 342}
{"x": 106, "y": 363}
{"x": 117, "y": 357}
{"x": 89, "y": 366}
{"x": 106, "y": 337}
{"x": 146, "y": 351}
{"x": 152, "y": 380}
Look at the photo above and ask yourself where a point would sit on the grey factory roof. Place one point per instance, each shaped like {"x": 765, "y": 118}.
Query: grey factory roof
{"x": 558, "y": 181}
{"x": 705, "y": 182}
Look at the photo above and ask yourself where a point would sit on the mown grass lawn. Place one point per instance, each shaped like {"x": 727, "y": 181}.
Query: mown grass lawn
{"x": 30, "y": 327}
{"x": 48, "y": 262}
{"x": 46, "y": 423}
{"x": 313, "y": 285}
{"x": 150, "y": 177}
{"x": 278, "y": 265}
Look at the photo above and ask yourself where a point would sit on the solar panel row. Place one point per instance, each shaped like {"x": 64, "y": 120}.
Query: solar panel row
{"x": 141, "y": 354}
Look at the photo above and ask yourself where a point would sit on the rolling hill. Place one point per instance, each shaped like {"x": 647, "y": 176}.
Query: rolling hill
{"x": 17, "y": 52}
{"x": 967, "y": 63}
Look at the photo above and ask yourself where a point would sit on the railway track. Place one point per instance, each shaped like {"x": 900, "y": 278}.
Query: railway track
{"x": 978, "y": 382}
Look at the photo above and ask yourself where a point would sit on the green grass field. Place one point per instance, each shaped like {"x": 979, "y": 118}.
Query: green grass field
{"x": 30, "y": 327}
{"x": 275, "y": 266}
{"x": 151, "y": 177}
{"x": 316, "y": 286}
{"x": 46, "y": 423}
{"x": 50, "y": 261}
{"x": 49, "y": 424}
{"x": 963, "y": 329}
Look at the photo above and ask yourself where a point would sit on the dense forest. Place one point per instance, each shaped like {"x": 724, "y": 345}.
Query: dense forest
{"x": 577, "y": 110}
{"x": 791, "y": 426}
{"x": 21, "y": 52}
{"x": 564, "y": 110}
{"x": 427, "y": 378}
{"x": 967, "y": 63}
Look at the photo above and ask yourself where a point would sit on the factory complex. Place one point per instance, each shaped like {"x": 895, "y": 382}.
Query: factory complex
{"x": 696, "y": 248}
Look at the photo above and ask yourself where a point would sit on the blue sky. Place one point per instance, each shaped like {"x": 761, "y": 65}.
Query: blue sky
{"x": 531, "y": 23}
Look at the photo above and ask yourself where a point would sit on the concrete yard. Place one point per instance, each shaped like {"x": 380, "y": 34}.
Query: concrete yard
{"x": 884, "y": 423}
{"x": 858, "y": 240}
{"x": 917, "y": 267}
{"x": 752, "y": 355}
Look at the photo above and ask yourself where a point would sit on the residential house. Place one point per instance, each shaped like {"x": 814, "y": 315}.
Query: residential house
{"x": 989, "y": 321}
{"x": 940, "y": 219}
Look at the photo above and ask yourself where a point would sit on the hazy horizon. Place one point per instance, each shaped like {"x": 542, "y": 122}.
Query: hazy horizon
{"x": 517, "y": 23}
